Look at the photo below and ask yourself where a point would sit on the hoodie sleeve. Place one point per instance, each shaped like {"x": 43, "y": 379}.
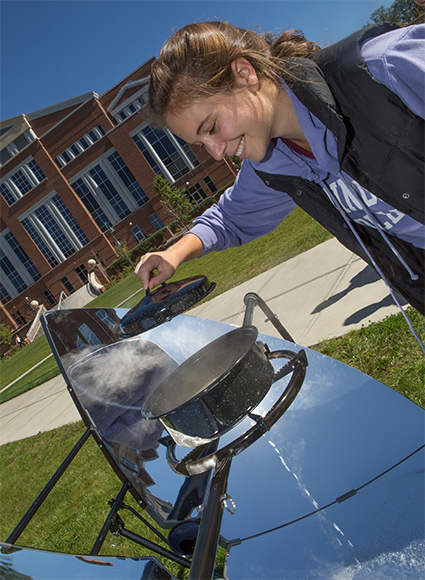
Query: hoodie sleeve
{"x": 247, "y": 210}
{"x": 396, "y": 59}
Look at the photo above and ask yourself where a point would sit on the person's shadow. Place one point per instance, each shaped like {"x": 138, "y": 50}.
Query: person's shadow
{"x": 366, "y": 276}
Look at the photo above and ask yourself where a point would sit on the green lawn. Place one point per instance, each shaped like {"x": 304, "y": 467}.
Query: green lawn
{"x": 386, "y": 351}
{"x": 75, "y": 510}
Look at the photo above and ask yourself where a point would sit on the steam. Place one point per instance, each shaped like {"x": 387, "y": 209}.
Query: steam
{"x": 121, "y": 374}
{"x": 112, "y": 385}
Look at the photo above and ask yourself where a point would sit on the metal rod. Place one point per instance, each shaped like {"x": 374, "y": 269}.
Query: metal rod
{"x": 47, "y": 489}
{"x": 112, "y": 513}
{"x": 154, "y": 547}
{"x": 252, "y": 298}
{"x": 250, "y": 301}
{"x": 205, "y": 553}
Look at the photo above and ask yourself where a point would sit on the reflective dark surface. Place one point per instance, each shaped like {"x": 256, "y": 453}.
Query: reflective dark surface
{"x": 27, "y": 564}
{"x": 346, "y": 452}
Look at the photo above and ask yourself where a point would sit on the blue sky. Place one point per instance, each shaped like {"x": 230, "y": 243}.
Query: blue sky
{"x": 57, "y": 49}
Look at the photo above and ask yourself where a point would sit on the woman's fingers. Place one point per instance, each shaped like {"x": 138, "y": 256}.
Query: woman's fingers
{"x": 151, "y": 263}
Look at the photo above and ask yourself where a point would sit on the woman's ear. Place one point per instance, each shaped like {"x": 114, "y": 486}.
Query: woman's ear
{"x": 244, "y": 74}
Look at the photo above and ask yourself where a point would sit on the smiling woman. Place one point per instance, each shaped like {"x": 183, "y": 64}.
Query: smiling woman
{"x": 337, "y": 131}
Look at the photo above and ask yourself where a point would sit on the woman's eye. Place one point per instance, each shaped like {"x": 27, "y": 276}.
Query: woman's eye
{"x": 212, "y": 129}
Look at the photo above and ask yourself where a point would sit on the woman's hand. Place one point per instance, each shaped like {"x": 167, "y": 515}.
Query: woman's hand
{"x": 155, "y": 261}
{"x": 166, "y": 263}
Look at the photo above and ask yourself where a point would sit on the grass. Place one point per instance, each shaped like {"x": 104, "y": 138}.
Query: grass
{"x": 45, "y": 371}
{"x": 23, "y": 361}
{"x": 386, "y": 351}
{"x": 71, "y": 524}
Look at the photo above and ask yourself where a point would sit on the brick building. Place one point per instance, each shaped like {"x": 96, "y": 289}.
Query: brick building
{"x": 78, "y": 176}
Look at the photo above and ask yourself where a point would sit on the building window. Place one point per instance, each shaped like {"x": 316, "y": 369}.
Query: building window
{"x": 89, "y": 336}
{"x": 90, "y": 201}
{"x": 136, "y": 105}
{"x": 54, "y": 230}
{"x": 109, "y": 191}
{"x": 7, "y": 194}
{"x": 195, "y": 193}
{"x": 50, "y": 298}
{"x": 22, "y": 257}
{"x": 80, "y": 146}
{"x": 35, "y": 168}
{"x": 106, "y": 319}
{"x": 21, "y": 182}
{"x": 16, "y": 269}
{"x": 11, "y": 274}
{"x": 39, "y": 242}
{"x": 67, "y": 285}
{"x": 4, "y": 294}
{"x": 82, "y": 273}
{"x": 17, "y": 145}
{"x": 156, "y": 221}
{"x": 19, "y": 319}
{"x": 137, "y": 233}
{"x": 165, "y": 153}
{"x": 210, "y": 184}
{"x": 15, "y": 185}
{"x": 127, "y": 177}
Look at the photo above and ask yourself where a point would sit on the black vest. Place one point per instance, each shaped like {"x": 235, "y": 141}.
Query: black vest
{"x": 380, "y": 145}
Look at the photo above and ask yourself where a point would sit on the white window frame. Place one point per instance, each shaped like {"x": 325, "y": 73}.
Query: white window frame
{"x": 44, "y": 233}
{"x": 80, "y": 147}
{"x": 19, "y": 267}
{"x": 154, "y": 154}
{"x": 116, "y": 181}
{"x": 13, "y": 188}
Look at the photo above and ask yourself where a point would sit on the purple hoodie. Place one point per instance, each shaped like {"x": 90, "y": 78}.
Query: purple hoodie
{"x": 249, "y": 209}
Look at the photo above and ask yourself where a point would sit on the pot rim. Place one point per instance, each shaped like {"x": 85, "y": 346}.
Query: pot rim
{"x": 247, "y": 329}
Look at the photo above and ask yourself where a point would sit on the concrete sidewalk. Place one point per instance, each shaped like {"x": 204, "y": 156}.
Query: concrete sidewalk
{"x": 321, "y": 293}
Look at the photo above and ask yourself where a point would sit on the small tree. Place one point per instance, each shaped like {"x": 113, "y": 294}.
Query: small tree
{"x": 401, "y": 12}
{"x": 174, "y": 201}
{"x": 5, "y": 334}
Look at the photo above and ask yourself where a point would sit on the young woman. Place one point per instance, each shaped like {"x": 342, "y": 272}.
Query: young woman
{"x": 338, "y": 131}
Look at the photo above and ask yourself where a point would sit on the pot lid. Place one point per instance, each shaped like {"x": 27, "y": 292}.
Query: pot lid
{"x": 164, "y": 303}
{"x": 200, "y": 373}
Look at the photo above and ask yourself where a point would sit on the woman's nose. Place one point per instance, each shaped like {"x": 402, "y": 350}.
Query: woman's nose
{"x": 215, "y": 147}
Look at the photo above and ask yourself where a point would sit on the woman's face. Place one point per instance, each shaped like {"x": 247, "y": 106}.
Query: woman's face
{"x": 240, "y": 122}
{"x": 228, "y": 124}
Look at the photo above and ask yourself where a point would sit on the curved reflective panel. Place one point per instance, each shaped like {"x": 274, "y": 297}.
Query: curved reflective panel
{"x": 334, "y": 490}
{"x": 28, "y": 564}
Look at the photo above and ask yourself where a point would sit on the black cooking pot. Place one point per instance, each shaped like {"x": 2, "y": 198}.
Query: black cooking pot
{"x": 164, "y": 303}
{"x": 213, "y": 390}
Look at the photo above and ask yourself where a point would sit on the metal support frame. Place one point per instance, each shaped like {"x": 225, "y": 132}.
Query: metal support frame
{"x": 48, "y": 488}
{"x": 155, "y": 548}
{"x": 110, "y": 517}
{"x": 205, "y": 553}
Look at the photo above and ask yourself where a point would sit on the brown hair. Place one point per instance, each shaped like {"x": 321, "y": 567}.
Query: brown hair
{"x": 196, "y": 62}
